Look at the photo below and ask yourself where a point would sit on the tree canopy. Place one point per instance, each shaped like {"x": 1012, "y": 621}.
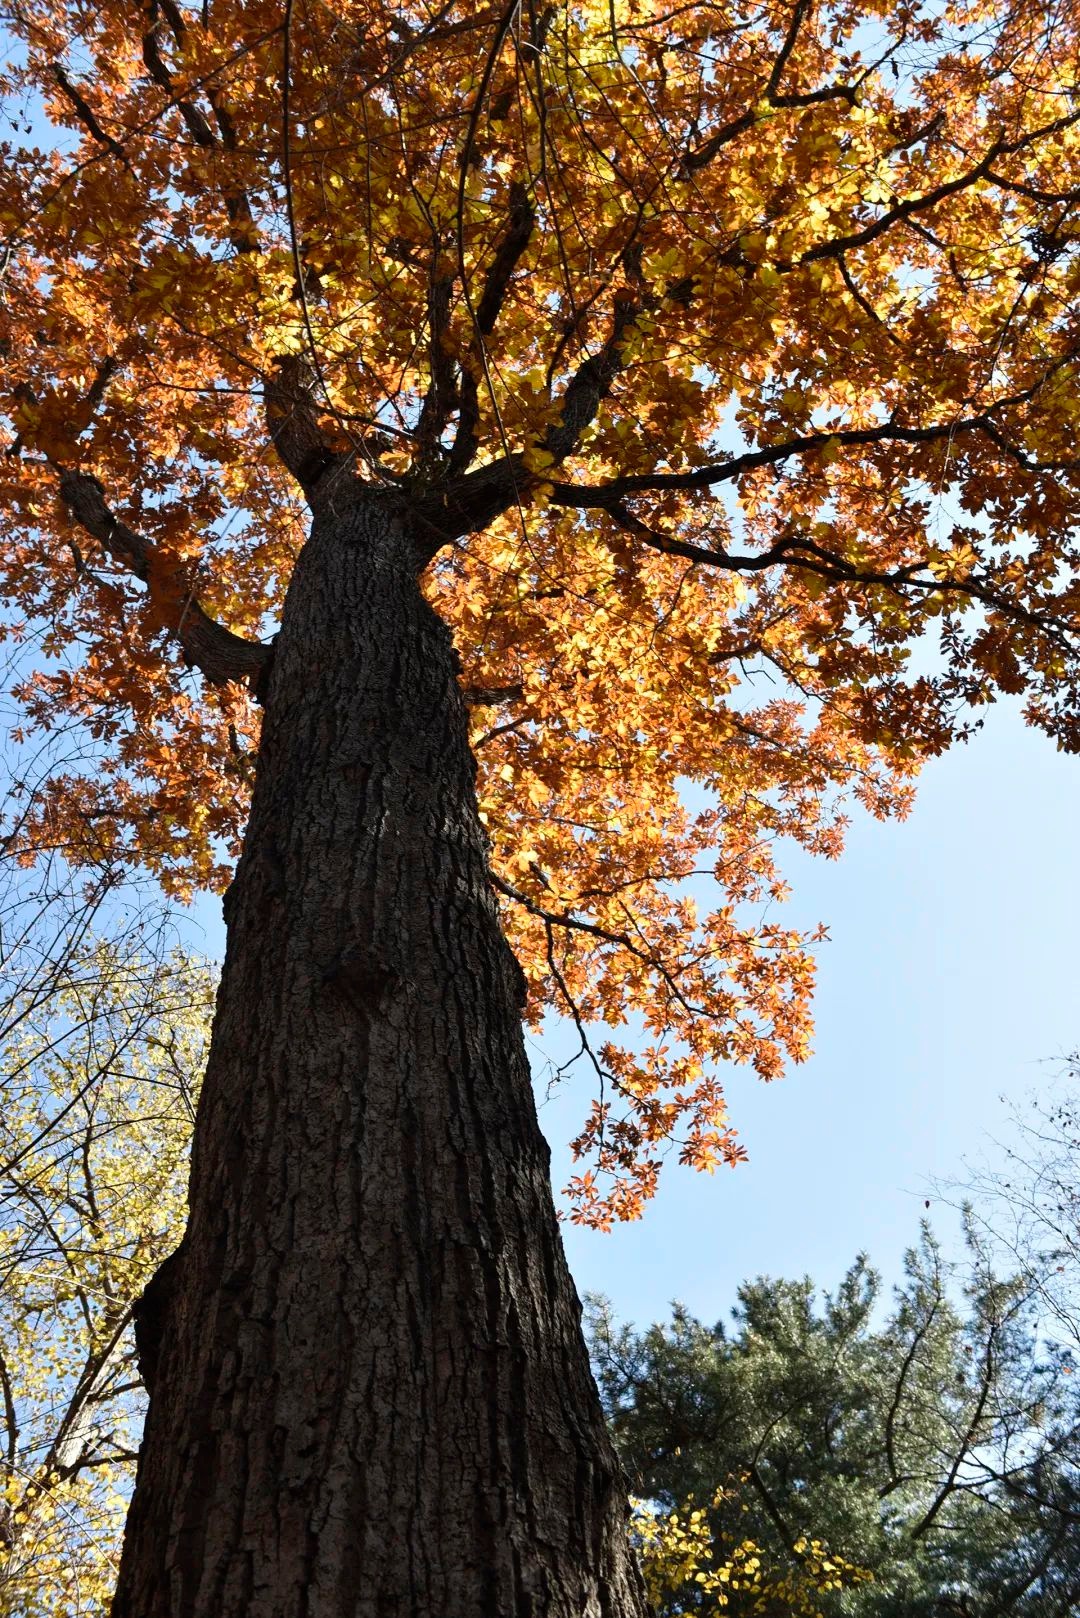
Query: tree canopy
{"x": 716, "y": 355}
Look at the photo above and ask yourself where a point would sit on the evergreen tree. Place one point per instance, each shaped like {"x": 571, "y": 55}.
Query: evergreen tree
{"x": 936, "y": 1446}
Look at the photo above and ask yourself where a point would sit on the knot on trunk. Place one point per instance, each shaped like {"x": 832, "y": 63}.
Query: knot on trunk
{"x": 363, "y": 977}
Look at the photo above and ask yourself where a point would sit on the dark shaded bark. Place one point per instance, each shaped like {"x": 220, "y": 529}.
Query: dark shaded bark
{"x": 370, "y": 1391}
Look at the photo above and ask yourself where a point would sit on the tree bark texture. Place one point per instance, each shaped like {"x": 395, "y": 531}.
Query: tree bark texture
{"x": 370, "y": 1396}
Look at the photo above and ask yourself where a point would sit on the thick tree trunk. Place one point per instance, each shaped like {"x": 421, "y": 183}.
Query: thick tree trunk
{"x": 369, "y": 1390}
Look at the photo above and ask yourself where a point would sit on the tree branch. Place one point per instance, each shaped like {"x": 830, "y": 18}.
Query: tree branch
{"x": 85, "y": 112}
{"x": 519, "y": 228}
{"x": 293, "y": 423}
{"x": 488, "y": 696}
{"x": 606, "y": 495}
{"x": 556, "y": 918}
{"x": 798, "y": 551}
{"x": 894, "y": 1479}
{"x": 11, "y": 1420}
{"x": 441, "y": 396}
{"x": 591, "y": 383}
{"x": 237, "y": 206}
{"x": 197, "y": 125}
{"x": 700, "y": 156}
{"x": 970, "y": 1437}
{"x": 221, "y": 655}
{"x": 901, "y": 211}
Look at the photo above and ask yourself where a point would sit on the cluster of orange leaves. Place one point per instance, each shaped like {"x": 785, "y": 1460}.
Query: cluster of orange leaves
{"x": 837, "y": 240}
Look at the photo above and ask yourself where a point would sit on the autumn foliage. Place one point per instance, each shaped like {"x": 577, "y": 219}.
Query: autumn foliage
{"x": 726, "y": 353}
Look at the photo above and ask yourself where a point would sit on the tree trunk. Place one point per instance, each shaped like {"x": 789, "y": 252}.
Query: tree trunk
{"x": 369, "y": 1389}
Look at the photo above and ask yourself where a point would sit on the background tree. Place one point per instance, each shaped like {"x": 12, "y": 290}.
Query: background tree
{"x": 101, "y": 1047}
{"x": 103, "y": 1025}
{"x": 644, "y": 345}
{"x": 936, "y": 1448}
{"x": 1028, "y": 1205}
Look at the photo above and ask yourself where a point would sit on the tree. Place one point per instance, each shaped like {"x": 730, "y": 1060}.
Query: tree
{"x": 622, "y": 357}
{"x": 928, "y": 1460}
{"x": 1028, "y": 1204}
{"x": 101, "y": 1045}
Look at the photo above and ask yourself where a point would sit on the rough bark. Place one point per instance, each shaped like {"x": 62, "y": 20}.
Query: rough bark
{"x": 370, "y": 1395}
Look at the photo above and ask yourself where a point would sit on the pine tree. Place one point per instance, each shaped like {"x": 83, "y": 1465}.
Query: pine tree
{"x": 935, "y": 1447}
